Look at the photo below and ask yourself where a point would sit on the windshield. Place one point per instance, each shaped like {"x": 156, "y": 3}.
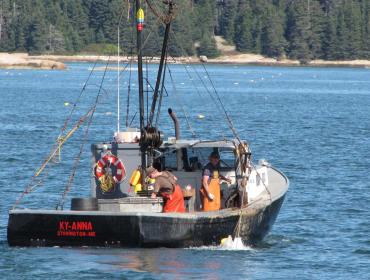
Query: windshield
{"x": 200, "y": 156}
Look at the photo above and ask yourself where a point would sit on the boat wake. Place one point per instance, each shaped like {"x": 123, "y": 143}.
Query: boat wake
{"x": 227, "y": 244}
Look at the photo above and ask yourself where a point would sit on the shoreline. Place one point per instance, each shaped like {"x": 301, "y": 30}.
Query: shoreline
{"x": 25, "y": 61}
{"x": 237, "y": 59}
{"x": 57, "y": 62}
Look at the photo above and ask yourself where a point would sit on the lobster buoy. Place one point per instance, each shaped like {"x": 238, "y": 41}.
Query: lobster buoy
{"x": 109, "y": 160}
{"x": 135, "y": 177}
{"x": 138, "y": 188}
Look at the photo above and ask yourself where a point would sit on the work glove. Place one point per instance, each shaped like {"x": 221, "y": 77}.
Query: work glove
{"x": 211, "y": 196}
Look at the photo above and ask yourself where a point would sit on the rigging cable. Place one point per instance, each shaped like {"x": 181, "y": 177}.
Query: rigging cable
{"x": 243, "y": 149}
{"x": 118, "y": 71}
{"x": 62, "y": 139}
{"x": 164, "y": 18}
{"x": 59, "y": 143}
{"x": 199, "y": 77}
{"x": 231, "y": 126}
{"x": 161, "y": 93}
{"x": 182, "y": 107}
{"x": 128, "y": 92}
{"x": 77, "y": 159}
{"x": 130, "y": 69}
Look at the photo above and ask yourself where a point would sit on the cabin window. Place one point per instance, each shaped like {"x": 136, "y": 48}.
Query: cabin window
{"x": 227, "y": 158}
{"x": 170, "y": 161}
{"x": 199, "y": 157}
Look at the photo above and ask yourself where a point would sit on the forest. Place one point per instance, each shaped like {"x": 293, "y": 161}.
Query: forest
{"x": 296, "y": 29}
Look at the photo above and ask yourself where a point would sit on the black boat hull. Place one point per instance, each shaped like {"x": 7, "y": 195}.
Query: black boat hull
{"x": 80, "y": 228}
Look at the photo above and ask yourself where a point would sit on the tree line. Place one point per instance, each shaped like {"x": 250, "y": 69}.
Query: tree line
{"x": 297, "y": 29}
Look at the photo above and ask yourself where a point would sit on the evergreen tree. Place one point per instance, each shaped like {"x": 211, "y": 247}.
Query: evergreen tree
{"x": 20, "y": 39}
{"x": 342, "y": 37}
{"x": 352, "y": 18}
{"x": 37, "y": 39}
{"x": 273, "y": 41}
{"x": 303, "y": 29}
{"x": 366, "y": 29}
{"x": 243, "y": 38}
{"x": 298, "y": 31}
{"x": 329, "y": 42}
{"x": 227, "y": 26}
{"x": 206, "y": 14}
{"x": 316, "y": 29}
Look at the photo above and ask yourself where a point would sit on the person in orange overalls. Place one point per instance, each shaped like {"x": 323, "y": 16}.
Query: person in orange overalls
{"x": 211, "y": 190}
{"x": 166, "y": 186}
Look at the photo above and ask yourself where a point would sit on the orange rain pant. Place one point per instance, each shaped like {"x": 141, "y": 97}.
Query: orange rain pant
{"x": 214, "y": 188}
{"x": 174, "y": 202}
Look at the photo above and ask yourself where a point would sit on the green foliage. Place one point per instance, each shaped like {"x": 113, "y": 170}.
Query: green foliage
{"x": 243, "y": 36}
{"x": 205, "y": 16}
{"x": 105, "y": 49}
{"x": 227, "y": 21}
{"x": 299, "y": 29}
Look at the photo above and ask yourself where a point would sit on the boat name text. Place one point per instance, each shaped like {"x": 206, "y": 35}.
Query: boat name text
{"x": 76, "y": 229}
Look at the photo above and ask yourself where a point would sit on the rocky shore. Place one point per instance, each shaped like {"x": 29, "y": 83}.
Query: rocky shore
{"x": 24, "y": 61}
{"x": 232, "y": 58}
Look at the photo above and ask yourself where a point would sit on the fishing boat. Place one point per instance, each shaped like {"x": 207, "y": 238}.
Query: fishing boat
{"x": 121, "y": 211}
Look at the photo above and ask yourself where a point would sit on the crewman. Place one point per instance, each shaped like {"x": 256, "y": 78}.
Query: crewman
{"x": 211, "y": 191}
{"x": 166, "y": 186}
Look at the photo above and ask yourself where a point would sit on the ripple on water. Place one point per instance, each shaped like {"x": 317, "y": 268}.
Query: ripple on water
{"x": 307, "y": 127}
{"x": 362, "y": 252}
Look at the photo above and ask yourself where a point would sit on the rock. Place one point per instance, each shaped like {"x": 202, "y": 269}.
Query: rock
{"x": 203, "y": 58}
{"x": 23, "y": 61}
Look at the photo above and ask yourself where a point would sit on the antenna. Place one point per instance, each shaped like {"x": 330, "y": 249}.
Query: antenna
{"x": 118, "y": 74}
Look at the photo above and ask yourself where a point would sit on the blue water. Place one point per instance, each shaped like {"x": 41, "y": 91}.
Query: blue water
{"x": 312, "y": 123}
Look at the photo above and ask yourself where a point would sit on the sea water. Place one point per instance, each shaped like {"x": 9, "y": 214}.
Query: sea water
{"x": 312, "y": 123}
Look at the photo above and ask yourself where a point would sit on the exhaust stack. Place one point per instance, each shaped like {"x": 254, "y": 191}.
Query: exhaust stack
{"x": 176, "y": 122}
{"x": 179, "y": 154}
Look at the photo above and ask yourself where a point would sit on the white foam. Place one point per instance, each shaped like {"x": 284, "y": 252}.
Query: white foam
{"x": 229, "y": 244}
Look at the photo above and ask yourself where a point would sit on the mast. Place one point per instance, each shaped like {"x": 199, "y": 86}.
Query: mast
{"x": 163, "y": 56}
{"x": 140, "y": 23}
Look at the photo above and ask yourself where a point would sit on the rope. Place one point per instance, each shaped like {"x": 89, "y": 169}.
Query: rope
{"x": 77, "y": 160}
{"x": 182, "y": 107}
{"x": 151, "y": 138}
{"x": 161, "y": 92}
{"x": 164, "y": 18}
{"x": 106, "y": 182}
{"x": 32, "y": 185}
{"x": 199, "y": 77}
{"x": 231, "y": 126}
{"x": 128, "y": 92}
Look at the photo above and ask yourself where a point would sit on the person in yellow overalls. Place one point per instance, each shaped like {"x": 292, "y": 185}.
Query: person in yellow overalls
{"x": 211, "y": 191}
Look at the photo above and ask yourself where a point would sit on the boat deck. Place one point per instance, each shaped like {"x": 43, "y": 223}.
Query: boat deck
{"x": 278, "y": 185}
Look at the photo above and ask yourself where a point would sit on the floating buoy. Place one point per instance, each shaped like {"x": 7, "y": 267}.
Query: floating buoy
{"x": 225, "y": 240}
{"x": 232, "y": 244}
{"x": 137, "y": 188}
{"x": 66, "y": 103}
{"x": 135, "y": 177}
{"x": 200, "y": 116}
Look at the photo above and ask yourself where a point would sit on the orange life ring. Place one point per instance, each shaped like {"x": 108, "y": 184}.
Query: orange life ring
{"x": 109, "y": 160}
